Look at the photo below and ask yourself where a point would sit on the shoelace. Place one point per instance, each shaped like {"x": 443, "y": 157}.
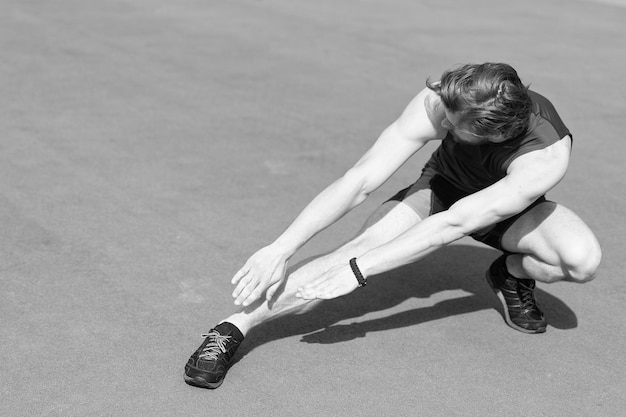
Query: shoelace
{"x": 216, "y": 345}
{"x": 526, "y": 294}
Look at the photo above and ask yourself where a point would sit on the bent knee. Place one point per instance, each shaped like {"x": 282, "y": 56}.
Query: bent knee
{"x": 581, "y": 263}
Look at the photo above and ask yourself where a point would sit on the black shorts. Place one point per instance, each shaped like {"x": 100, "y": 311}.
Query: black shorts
{"x": 431, "y": 194}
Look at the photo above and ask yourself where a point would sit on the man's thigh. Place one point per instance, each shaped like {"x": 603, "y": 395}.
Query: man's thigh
{"x": 551, "y": 233}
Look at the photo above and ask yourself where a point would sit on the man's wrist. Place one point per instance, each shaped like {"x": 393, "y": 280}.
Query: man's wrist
{"x": 287, "y": 249}
{"x": 369, "y": 265}
{"x": 357, "y": 273}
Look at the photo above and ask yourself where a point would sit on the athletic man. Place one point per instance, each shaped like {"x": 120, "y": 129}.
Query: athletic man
{"x": 502, "y": 148}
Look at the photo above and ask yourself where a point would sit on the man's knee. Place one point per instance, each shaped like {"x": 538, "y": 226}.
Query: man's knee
{"x": 581, "y": 262}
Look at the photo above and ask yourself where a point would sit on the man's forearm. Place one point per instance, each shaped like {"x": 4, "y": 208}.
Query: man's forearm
{"x": 329, "y": 206}
{"x": 420, "y": 240}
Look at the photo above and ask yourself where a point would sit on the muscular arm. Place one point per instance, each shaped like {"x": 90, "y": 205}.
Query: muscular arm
{"x": 414, "y": 128}
{"x": 395, "y": 145}
{"x": 528, "y": 177}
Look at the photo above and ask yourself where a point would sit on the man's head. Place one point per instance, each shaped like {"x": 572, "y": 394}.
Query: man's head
{"x": 484, "y": 103}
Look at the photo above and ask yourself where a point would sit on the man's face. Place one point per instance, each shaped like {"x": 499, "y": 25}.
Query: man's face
{"x": 465, "y": 136}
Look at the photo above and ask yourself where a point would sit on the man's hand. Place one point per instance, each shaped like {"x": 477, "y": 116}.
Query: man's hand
{"x": 263, "y": 272}
{"x": 337, "y": 281}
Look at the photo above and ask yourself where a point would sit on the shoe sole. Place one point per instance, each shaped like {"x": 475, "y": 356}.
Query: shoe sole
{"x": 198, "y": 381}
{"x": 505, "y": 308}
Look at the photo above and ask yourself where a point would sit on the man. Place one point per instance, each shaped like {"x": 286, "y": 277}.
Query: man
{"x": 502, "y": 148}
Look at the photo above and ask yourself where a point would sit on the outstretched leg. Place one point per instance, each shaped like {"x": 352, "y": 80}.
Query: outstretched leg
{"x": 386, "y": 223}
{"x": 208, "y": 365}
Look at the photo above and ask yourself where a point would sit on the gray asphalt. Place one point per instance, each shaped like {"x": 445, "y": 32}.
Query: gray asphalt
{"x": 148, "y": 147}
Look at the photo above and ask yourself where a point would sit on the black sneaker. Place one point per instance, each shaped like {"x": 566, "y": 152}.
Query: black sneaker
{"x": 521, "y": 311}
{"x": 208, "y": 365}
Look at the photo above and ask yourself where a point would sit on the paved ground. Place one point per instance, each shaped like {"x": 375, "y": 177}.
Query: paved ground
{"x": 148, "y": 147}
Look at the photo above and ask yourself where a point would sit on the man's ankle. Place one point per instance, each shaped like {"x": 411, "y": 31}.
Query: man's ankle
{"x": 239, "y": 324}
{"x": 513, "y": 267}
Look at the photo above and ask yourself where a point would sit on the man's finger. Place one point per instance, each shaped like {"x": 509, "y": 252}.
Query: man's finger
{"x": 244, "y": 294}
{"x": 259, "y": 288}
{"x": 254, "y": 296}
{"x": 240, "y": 274}
{"x": 243, "y": 283}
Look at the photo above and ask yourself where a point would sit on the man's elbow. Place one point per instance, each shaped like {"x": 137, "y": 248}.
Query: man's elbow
{"x": 455, "y": 228}
{"x": 465, "y": 222}
{"x": 356, "y": 182}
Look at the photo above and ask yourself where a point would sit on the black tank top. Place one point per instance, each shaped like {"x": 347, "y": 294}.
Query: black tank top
{"x": 471, "y": 168}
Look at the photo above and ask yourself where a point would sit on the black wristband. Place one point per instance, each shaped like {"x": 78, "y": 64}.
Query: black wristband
{"x": 357, "y": 273}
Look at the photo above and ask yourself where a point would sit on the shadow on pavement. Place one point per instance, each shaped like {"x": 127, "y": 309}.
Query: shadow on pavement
{"x": 456, "y": 267}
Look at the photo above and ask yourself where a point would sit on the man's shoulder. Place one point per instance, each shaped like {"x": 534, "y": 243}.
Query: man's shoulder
{"x": 422, "y": 117}
{"x": 545, "y": 109}
{"x": 433, "y": 104}
{"x": 434, "y": 109}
